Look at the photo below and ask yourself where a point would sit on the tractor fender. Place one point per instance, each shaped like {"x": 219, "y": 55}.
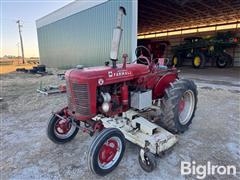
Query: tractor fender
{"x": 162, "y": 84}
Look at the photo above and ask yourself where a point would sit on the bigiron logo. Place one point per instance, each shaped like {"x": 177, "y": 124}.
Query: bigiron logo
{"x": 202, "y": 171}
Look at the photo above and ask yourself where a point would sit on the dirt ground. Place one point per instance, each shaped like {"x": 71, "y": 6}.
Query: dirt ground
{"x": 26, "y": 152}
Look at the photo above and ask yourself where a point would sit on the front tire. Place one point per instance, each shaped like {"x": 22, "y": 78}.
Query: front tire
{"x": 179, "y": 106}
{"x": 106, "y": 151}
{"x": 61, "y": 131}
{"x": 199, "y": 60}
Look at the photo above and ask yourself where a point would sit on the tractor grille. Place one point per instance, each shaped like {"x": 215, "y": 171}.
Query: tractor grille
{"x": 69, "y": 97}
{"x": 78, "y": 98}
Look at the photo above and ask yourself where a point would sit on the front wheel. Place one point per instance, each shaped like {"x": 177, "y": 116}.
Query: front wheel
{"x": 106, "y": 151}
{"x": 63, "y": 130}
{"x": 199, "y": 60}
{"x": 179, "y": 106}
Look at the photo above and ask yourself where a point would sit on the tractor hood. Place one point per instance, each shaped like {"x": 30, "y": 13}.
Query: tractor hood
{"x": 106, "y": 74}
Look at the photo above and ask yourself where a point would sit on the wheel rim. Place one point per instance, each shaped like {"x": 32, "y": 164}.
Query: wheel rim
{"x": 175, "y": 61}
{"x": 197, "y": 61}
{"x": 186, "y": 107}
{"x": 221, "y": 62}
{"x": 147, "y": 161}
{"x": 109, "y": 152}
{"x": 64, "y": 128}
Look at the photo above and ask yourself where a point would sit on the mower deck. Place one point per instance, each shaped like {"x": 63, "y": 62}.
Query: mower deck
{"x": 140, "y": 131}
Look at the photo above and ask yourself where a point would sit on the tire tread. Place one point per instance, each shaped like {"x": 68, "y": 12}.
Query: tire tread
{"x": 170, "y": 105}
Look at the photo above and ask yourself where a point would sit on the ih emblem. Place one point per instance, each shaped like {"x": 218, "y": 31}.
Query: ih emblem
{"x": 110, "y": 74}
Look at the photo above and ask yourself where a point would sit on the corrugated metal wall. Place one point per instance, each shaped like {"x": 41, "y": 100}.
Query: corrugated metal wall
{"x": 175, "y": 40}
{"x": 85, "y": 37}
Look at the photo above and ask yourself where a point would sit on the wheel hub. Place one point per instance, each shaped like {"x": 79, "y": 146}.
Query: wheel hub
{"x": 108, "y": 151}
{"x": 222, "y": 62}
{"x": 175, "y": 61}
{"x": 186, "y": 107}
{"x": 181, "y": 105}
{"x": 197, "y": 61}
{"x": 63, "y": 126}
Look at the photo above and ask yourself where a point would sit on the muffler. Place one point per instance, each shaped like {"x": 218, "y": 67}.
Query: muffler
{"x": 117, "y": 34}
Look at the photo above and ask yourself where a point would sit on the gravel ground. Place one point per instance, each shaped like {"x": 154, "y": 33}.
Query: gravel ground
{"x": 26, "y": 152}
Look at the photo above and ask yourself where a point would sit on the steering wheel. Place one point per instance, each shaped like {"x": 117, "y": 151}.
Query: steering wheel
{"x": 143, "y": 55}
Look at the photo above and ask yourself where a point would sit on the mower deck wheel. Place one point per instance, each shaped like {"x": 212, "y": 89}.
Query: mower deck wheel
{"x": 106, "y": 151}
{"x": 147, "y": 161}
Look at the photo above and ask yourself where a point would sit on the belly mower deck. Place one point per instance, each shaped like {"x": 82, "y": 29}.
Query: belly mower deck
{"x": 138, "y": 130}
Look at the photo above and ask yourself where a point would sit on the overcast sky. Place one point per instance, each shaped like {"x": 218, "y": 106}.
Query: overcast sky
{"x": 28, "y": 11}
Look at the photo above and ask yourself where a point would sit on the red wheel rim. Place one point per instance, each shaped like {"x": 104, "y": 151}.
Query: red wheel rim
{"x": 181, "y": 105}
{"x": 62, "y": 126}
{"x": 186, "y": 107}
{"x": 108, "y": 151}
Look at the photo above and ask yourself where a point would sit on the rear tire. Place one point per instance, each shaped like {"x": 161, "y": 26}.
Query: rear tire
{"x": 224, "y": 60}
{"x": 176, "y": 60}
{"x": 179, "y": 106}
{"x": 106, "y": 151}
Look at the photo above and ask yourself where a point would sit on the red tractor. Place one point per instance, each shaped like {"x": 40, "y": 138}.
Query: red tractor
{"x": 125, "y": 101}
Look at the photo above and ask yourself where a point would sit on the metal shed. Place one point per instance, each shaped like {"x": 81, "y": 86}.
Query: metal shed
{"x": 81, "y": 32}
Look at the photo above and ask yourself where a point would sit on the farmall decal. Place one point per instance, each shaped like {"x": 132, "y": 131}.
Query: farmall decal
{"x": 119, "y": 73}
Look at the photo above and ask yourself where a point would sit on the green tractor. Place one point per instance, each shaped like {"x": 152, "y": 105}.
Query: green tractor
{"x": 200, "y": 51}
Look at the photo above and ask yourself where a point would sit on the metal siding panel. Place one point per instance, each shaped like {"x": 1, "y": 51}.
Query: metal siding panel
{"x": 85, "y": 37}
{"x": 68, "y": 10}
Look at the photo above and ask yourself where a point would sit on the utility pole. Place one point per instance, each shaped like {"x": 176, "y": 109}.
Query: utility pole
{"x": 18, "y": 52}
{"x": 18, "y": 48}
{"x": 21, "y": 41}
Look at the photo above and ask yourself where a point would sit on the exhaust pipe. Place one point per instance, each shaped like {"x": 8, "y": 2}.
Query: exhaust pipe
{"x": 117, "y": 34}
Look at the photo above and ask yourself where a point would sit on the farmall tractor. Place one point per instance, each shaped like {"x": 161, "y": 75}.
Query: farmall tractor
{"x": 143, "y": 102}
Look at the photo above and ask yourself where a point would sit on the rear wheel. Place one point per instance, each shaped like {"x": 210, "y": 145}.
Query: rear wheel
{"x": 199, "y": 60}
{"x": 106, "y": 151}
{"x": 224, "y": 60}
{"x": 179, "y": 105}
{"x": 61, "y": 130}
{"x": 176, "y": 61}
